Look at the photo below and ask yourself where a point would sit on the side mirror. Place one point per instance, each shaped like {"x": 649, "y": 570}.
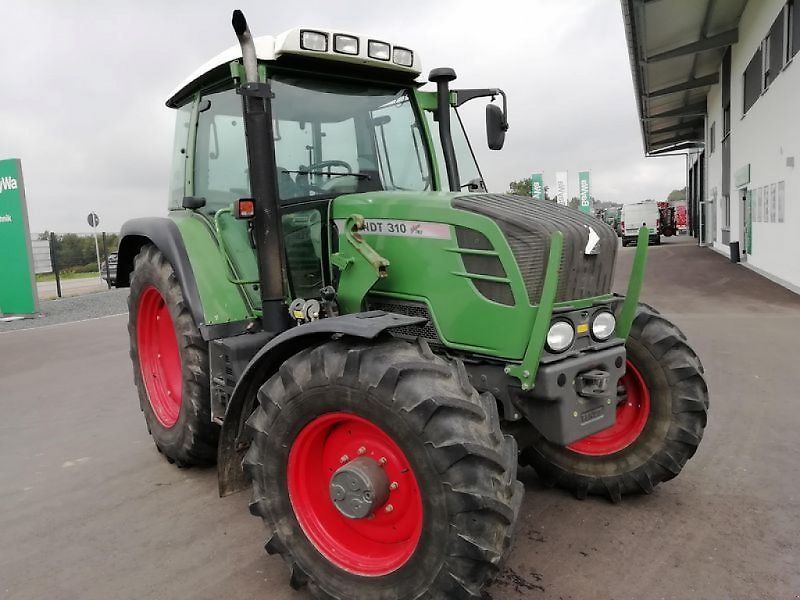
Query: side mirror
{"x": 495, "y": 127}
{"x": 193, "y": 202}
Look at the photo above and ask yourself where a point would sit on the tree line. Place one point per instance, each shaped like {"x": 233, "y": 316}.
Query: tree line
{"x": 77, "y": 253}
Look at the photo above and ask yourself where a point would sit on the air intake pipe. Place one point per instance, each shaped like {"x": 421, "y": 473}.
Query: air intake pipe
{"x": 442, "y": 78}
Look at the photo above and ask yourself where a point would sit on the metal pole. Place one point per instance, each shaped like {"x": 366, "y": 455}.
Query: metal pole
{"x": 105, "y": 255}
{"x": 96, "y": 249}
{"x": 54, "y": 261}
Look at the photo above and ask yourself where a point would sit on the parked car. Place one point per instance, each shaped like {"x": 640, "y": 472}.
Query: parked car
{"x": 109, "y": 273}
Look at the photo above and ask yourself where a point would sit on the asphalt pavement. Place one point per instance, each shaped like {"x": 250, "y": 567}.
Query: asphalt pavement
{"x": 90, "y": 511}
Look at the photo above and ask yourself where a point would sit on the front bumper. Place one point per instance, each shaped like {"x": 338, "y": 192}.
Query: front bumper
{"x": 575, "y": 397}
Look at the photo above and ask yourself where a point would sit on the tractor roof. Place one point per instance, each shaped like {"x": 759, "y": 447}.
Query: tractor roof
{"x": 310, "y": 44}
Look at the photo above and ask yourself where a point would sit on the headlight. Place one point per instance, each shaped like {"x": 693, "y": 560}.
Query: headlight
{"x": 345, "y": 44}
{"x": 560, "y": 336}
{"x": 603, "y": 325}
{"x": 403, "y": 56}
{"x": 314, "y": 40}
{"x": 379, "y": 50}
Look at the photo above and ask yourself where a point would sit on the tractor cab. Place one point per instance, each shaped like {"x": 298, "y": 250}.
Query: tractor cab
{"x": 348, "y": 116}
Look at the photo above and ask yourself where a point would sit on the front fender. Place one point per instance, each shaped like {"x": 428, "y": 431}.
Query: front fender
{"x": 233, "y": 441}
{"x": 164, "y": 234}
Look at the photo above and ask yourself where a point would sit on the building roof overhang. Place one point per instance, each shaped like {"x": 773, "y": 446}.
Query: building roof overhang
{"x": 675, "y": 49}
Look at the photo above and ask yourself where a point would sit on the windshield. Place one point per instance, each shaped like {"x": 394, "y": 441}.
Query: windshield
{"x": 335, "y": 137}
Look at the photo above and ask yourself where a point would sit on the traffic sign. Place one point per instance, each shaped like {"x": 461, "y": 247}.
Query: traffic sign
{"x": 93, "y": 219}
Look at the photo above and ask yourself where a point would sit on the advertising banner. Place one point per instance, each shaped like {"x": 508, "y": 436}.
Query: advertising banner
{"x": 562, "y": 187}
{"x": 585, "y": 194}
{"x": 537, "y": 186}
{"x": 17, "y": 284}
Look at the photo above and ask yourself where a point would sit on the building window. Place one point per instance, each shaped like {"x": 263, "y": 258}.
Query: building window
{"x": 752, "y": 81}
{"x": 712, "y": 137}
{"x": 781, "y": 201}
{"x": 766, "y": 79}
{"x": 777, "y": 42}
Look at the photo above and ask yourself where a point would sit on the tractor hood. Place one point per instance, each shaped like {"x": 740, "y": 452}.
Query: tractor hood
{"x": 475, "y": 262}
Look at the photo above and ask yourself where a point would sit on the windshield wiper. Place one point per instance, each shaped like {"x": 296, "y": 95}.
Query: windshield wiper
{"x": 329, "y": 173}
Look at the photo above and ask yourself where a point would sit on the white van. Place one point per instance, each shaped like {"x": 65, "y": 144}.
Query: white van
{"x": 634, "y": 216}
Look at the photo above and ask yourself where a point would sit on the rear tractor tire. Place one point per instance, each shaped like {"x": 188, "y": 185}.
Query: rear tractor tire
{"x": 381, "y": 473}
{"x": 170, "y": 363}
{"x": 661, "y": 415}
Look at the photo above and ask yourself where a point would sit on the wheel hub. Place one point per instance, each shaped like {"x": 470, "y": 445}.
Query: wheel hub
{"x": 376, "y": 535}
{"x": 358, "y": 487}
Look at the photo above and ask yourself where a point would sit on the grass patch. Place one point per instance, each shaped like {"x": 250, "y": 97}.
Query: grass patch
{"x": 67, "y": 275}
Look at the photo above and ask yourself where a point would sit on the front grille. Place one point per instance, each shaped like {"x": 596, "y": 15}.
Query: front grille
{"x": 426, "y": 331}
{"x": 482, "y": 264}
{"x": 528, "y": 226}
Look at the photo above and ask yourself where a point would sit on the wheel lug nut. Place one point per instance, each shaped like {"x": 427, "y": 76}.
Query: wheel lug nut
{"x": 362, "y": 450}
{"x": 344, "y": 458}
{"x": 394, "y": 485}
{"x": 389, "y": 508}
{"x": 382, "y": 460}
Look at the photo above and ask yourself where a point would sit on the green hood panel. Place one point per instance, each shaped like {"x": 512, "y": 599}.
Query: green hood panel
{"x": 426, "y": 265}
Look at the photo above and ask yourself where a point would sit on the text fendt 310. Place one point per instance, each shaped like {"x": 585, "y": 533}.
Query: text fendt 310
{"x": 338, "y": 313}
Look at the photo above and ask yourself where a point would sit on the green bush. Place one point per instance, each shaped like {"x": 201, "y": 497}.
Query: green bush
{"x": 87, "y": 268}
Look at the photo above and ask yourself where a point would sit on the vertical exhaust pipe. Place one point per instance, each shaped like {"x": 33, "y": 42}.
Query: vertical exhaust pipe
{"x": 442, "y": 78}
{"x": 248, "y": 47}
{"x": 257, "y": 112}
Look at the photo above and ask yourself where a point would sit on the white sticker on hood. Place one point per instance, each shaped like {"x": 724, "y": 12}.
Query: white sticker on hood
{"x": 419, "y": 229}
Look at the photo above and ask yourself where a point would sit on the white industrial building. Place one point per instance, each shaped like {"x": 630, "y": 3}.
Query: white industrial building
{"x": 716, "y": 80}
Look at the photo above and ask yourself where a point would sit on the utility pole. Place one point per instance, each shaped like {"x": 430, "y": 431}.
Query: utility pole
{"x": 94, "y": 221}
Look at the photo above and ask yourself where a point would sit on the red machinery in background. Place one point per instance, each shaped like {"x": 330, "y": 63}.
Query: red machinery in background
{"x": 672, "y": 218}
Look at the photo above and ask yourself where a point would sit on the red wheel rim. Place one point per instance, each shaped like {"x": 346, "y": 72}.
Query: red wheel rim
{"x": 159, "y": 357}
{"x": 631, "y": 418}
{"x": 373, "y": 546}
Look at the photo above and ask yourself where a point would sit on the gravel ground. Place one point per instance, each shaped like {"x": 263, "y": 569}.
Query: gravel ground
{"x": 77, "y": 308}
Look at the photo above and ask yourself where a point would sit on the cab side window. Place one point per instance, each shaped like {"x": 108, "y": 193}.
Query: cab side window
{"x": 220, "y": 165}
{"x": 179, "y": 154}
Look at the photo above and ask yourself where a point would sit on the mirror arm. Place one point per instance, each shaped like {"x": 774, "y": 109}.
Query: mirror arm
{"x": 465, "y": 95}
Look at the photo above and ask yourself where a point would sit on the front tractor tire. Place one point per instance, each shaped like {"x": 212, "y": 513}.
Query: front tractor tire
{"x": 381, "y": 473}
{"x": 170, "y": 363}
{"x": 661, "y": 415}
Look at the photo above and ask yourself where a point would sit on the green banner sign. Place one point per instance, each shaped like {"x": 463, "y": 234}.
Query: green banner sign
{"x": 585, "y": 195}
{"x": 537, "y": 186}
{"x": 17, "y": 284}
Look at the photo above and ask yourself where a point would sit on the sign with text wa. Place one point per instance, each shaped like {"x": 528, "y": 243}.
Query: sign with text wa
{"x": 537, "y": 186}
{"x": 17, "y": 284}
{"x": 585, "y": 194}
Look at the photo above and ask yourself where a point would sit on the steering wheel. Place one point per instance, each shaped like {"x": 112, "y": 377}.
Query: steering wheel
{"x": 329, "y": 183}
{"x": 327, "y": 164}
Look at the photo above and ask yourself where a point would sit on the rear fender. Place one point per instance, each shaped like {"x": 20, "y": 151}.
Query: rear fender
{"x": 234, "y": 437}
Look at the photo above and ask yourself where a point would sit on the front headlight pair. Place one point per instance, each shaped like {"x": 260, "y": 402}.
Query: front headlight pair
{"x": 561, "y": 333}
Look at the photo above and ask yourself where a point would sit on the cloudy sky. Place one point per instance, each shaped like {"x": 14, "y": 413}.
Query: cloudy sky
{"x": 83, "y": 85}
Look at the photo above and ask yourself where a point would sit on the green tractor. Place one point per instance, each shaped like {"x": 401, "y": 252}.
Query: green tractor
{"x": 338, "y": 314}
